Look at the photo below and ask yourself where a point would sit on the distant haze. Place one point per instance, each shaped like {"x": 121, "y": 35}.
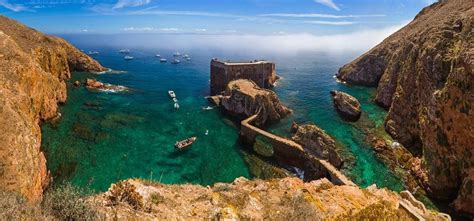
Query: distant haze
{"x": 357, "y": 41}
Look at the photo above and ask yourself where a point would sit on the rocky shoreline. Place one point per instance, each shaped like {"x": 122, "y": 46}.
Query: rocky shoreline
{"x": 33, "y": 73}
{"x": 424, "y": 77}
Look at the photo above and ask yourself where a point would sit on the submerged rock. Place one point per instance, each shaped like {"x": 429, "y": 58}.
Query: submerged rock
{"x": 346, "y": 105}
{"x": 94, "y": 84}
{"x": 317, "y": 142}
{"x": 244, "y": 98}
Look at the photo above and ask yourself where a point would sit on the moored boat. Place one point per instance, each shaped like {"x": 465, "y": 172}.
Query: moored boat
{"x": 163, "y": 60}
{"x": 176, "y": 54}
{"x": 128, "y": 58}
{"x": 176, "y": 105}
{"x": 176, "y": 61}
{"x": 172, "y": 94}
{"x": 184, "y": 143}
{"x": 124, "y": 51}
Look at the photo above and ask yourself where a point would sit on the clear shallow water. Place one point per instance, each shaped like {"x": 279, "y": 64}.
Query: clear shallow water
{"x": 104, "y": 137}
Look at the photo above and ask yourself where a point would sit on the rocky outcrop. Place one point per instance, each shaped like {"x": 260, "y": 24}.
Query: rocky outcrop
{"x": 244, "y": 98}
{"x": 97, "y": 85}
{"x": 346, "y": 105}
{"x": 283, "y": 199}
{"x": 317, "y": 142}
{"x": 424, "y": 77}
{"x": 33, "y": 70}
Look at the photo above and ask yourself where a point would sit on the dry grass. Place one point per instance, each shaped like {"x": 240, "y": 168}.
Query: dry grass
{"x": 66, "y": 202}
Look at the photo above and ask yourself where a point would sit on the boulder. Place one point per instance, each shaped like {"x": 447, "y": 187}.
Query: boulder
{"x": 346, "y": 105}
{"x": 76, "y": 83}
{"x": 317, "y": 142}
{"x": 244, "y": 98}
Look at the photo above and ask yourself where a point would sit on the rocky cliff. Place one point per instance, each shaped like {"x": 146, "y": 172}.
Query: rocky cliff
{"x": 33, "y": 70}
{"x": 281, "y": 199}
{"x": 424, "y": 77}
{"x": 244, "y": 98}
{"x": 316, "y": 141}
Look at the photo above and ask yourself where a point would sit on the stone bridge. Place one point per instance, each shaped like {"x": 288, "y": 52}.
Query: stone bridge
{"x": 290, "y": 153}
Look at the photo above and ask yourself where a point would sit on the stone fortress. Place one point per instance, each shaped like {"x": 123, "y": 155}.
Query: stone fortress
{"x": 261, "y": 72}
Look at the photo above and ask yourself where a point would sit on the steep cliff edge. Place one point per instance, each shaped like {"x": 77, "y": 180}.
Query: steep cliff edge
{"x": 279, "y": 199}
{"x": 33, "y": 70}
{"x": 424, "y": 77}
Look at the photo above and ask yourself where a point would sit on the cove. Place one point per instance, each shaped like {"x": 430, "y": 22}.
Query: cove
{"x": 105, "y": 137}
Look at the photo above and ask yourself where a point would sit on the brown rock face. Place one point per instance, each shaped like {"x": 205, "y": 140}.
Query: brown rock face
{"x": 282, "y": 199}
{"x": 33, "y": 70}
{"x": 424, "y": 76}
{"x": 346, "y": 105}
{"x": 317, "y": 142}
{"x": 245, "y": 98}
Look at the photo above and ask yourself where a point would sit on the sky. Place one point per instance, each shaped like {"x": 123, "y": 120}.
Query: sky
{"x": 331, "y": 23}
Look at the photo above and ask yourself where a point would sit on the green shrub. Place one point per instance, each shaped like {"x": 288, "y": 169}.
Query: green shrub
{"x": 66, "y": 202}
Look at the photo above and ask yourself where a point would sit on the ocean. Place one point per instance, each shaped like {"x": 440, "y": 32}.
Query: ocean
{"x": 104, "y": 137}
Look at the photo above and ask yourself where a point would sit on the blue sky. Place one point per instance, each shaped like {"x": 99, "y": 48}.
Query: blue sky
{"x": 221, "y": 17}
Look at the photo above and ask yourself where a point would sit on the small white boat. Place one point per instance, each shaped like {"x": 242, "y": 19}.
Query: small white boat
{"x": 207, "y": 132}
{"x": 158, "y": 56}
{"x": 207, "y": 108}
{"x": 124, "y": 51}
{"x": 172, "y": 94}
{"x": 176, "y": 54}
{"x": 128, "y": 58}
{"x": 188, "y": 59}
{"x": 176, "y": 61}
{"x": 176, "y": 105}
{"x": 175, "y": 100}
{"x": 163, "y": 60}
{"x": 93, "y": 53}
{"x": 185, "y": 56}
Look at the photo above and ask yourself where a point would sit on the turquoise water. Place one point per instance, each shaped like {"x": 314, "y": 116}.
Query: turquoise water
{"x": 105, "y": 137}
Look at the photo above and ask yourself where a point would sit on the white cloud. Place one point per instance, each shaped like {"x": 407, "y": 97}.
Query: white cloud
{"x": 336, "y": 23}
{"x": 169, "y": 29}
{"x": 328, "y": 3}
{"x": 130, "y": 3}
{"x": 140, "y": 29}
{"x": 11, "y": 6}
{"x": 316, "y": 15}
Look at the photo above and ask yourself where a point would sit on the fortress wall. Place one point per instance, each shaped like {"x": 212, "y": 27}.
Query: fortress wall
{"x": 292, "y": 154}
{"x": 263, "y": 73}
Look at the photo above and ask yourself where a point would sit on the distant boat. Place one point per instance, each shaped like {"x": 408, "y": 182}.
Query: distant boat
{"x": 93, "y": 53}
{"x": 207, "y": 108}
{"x": 128, "y": 58}
{"x": 172, "y": 94}
{"x": 176, "y": 105}
{"x": 207, "y": 132}
{"x": 185, "y": 56}
{"x": 188, "y": 59}
{"x": 163, "y": 60}
{"x": 180, "y": 145}
{"x": 176, "y": 54}
{"x": 175, "y": 100}
{"x": 158, "y": 56}
{"x": 124, "y": 51}
{"x": 176, "y": 61}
